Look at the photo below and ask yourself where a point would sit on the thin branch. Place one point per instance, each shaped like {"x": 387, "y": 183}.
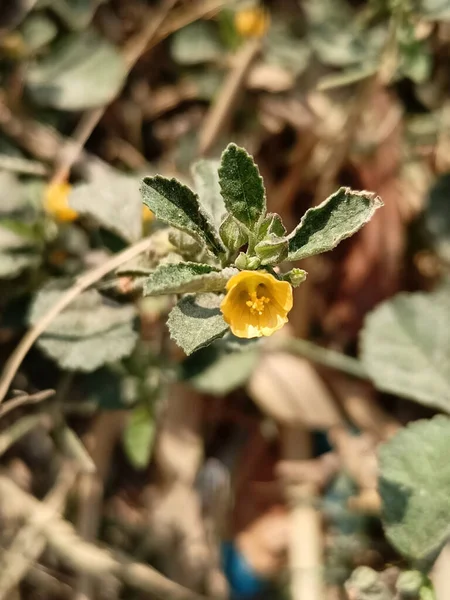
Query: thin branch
{"x": 222, "y": 109}
{"x": 20, "y": 428}
{"x": 25, "y": 399}
{"x": 79, "y": 286}
{"x": 323, "y": 356}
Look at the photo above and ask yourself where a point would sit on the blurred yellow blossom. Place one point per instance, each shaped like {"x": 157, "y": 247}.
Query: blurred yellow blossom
{"x": 256, "y": 304}
{"x": 147, "y": 214}
{"x": 56, "y": 202}
{"x": 252, "y": 22}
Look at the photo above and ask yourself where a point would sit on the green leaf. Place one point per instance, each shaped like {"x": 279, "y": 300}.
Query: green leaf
{"x": 272, "y": 250}
{"x": 75, "y": 14}
{"x": 271, "y": 223}
{"x": 435, "y": 10}
{"x": 196, "y": 321}
{"x": 90, "y": 333}
{"x": 405, "y": 347}
{"x": 437, "y": 216}
{"x": 206, "y": 180}
{"x": 286, "y": 50}
{"x": 196, "y": 43}
{"x": 37, "y": 31}
{"x": 177, "y": 205}
{"x": 181, "y": 278}
{"x": 337, "y": 37}
{"x": 138, "y": 437}
{"x": 113, "y": 200}
{"x": 82, "y": 71}
{"x": 220, "y": 369}
{"x": 338, "y": 217}
{"x": 242, "y": 186}
{"x": 232, "y": 234}
{"x": 414, "y": 486}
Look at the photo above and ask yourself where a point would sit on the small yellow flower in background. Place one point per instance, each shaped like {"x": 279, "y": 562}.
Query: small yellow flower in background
{"x": 56, "y": 202}
{"x": 252, "y": 22}
{"x": 147, "y": 214}
{"x": 256, "y": 304}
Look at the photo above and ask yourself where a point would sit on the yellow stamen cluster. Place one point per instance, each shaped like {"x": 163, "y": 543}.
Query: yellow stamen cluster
{"x": 255, "y": 304}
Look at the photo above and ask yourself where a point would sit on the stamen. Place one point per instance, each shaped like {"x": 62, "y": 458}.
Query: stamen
{"x": 255, "y": 304}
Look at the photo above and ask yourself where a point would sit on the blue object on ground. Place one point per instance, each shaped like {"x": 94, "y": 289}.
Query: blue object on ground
{"x": 242, "y": 579}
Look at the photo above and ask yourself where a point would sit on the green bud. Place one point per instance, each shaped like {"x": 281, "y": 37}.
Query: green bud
{"x": 232, "y": 234}
{"x": 241, "y": 261}
{"x": 272, "y": 250}
{"x": 253, "y": 263}
{"x": 295, "y": 277}
{"x": 409, "y": 583}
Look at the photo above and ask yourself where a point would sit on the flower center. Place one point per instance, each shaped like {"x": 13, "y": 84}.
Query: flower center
{"x": 256, "y": 304}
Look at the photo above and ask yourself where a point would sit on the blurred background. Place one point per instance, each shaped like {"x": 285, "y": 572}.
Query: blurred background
{"x": 128, "y": 470}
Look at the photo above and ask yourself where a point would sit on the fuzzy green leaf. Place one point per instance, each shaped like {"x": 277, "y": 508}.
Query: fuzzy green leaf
{"x": 196, "y": 43}
{"x": 177, "y": 205}
{"x": 405, "y": 347}
{"x": 206, "y": 180}
{"x": 232, "y": 234}
{"x": 242, "y": 186}
{"x": 113, "y": 200}
{"x": 271, "y": 223}
{"x": 272, "y": 250}
{"x": 196, "y": 321}
{"x": 82, "y": 71}
{"x": 219, "y": 369}
{"x": 90, "y": 333}
{"x": 338, "y": 217}
{"x": 414, "y": 486}
{"x": 181, "y": 278}
{"x": 138, "y": 437}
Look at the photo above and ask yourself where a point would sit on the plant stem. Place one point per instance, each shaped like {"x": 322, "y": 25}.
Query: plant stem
{"x": 324, "y": 356}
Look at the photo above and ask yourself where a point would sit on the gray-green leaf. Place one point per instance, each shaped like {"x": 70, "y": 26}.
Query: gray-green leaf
{"x": 196, "y": 43}
{"x": 90, "y": 333}
{"x": 232, "y": 233}
{"x": 272, "y": 250}
{"x": 83, "y": 71}
{"x": 242, "y": 186}
{"x": 113, "y": 200}
{"x": 415, "y": 488}
{"x": 271, "y": 223}
{"x": 219, "y": 369}
{"x": 338, "y": 217}
{"x": 138, "y": 436}
{"x": 405, "y": 347}
{"x": 177, "y": 205}
{"x": 206, "y": 180}
{"x": 196, "y": 321}
{"x": 181, "y": 278}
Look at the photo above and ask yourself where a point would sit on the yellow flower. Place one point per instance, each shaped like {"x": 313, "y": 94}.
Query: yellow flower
{"x": 256, "y": 304}
{"x": 252, "y": 22}
{"x": 56, "y": 202}
{"x": 147, "y": 214}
